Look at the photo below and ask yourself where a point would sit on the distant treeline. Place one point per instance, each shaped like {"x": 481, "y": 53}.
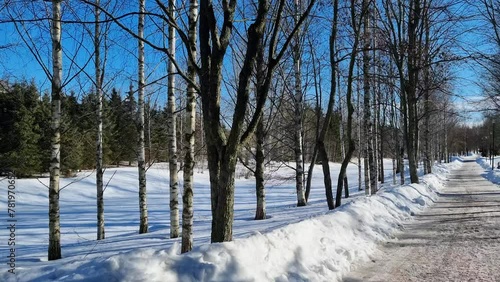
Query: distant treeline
{"x": 25, "y": 126}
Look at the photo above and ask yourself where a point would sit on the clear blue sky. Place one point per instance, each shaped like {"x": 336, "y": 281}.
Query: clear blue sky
{"x": 18, "y": 63}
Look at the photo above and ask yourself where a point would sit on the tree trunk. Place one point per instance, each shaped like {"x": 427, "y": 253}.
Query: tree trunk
{"x": 99, "y": 143}
{"x": 445, "y": 128}
{"x": 260, "y": 212}
{"x": 54, "y": 250}
{"x": 427, "y": 105}
{"x": 298, "y": 123}
{"x": 260, "y": 136}
{"x": 410, "y": 89}
{"x": 376, "y": 99}
{"x": 326, "y": 175}
{"x": 320, "y": 144}
{"x": 395, "y": 135}
{"x": 366, "y": 170}
{"x": 189, "y": 138}
{"x": 298, "y": 147}
{"x": 360, "y": 151}
{"x": 143, "y": 208}
{"x": 350, "y": 110}
{"x": 310, "y": 171}
{"x": 381, "y": 139}
{"x": 319, "y": 114}
{"x": 367, "y": 119}
{"x": 222, "y": 146}
{"x": 346, "y": 187}
{"x": 402, "y": 163}
{"x": 221, "y": 150}
{"x": 343, "y": 149}
{"x": 172, "y": 130}
{"x": 394, "y": 169}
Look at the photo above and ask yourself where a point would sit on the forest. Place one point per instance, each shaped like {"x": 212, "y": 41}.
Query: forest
{"x": 91, "y": 85}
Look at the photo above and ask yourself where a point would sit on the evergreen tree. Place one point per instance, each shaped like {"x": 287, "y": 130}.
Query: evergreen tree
{"x": 20, "y": 131}
{"x": 128, "y": 134}
{"x": 114, "y": 113}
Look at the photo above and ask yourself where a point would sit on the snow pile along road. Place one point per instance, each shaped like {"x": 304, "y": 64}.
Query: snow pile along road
{"x": 320, "y": 248}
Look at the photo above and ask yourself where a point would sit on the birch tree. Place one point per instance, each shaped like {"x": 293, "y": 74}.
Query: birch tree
{"x": 99, "y": 142}
{"x": 54, "y": 251}
{"x": 189, "y": 138}
{"x": 141, "y": 164}
{"x": 52, "y": 66}
{"x": 299, "y": 110}
{"x": 367, "y": 80}
{"x": 172, "y": 129}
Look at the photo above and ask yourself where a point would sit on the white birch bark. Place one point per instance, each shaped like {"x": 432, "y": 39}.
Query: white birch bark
{"x": 172, "y": 130}
{"x": 99, "y": 141}
{"x": 54, "y": 250}
{"x": 298, "y": 123}
{"x": 367, "y": 119}
{"x": 143, "y": 208}
{"x": 189, "y": 138}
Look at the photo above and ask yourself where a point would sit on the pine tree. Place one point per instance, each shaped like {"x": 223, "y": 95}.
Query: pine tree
{"x": 20, "y": 132}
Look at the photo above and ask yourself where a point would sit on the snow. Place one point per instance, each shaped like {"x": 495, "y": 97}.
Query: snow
{"x": 491, "y": 175}
{"x": 455, "y": 239}
{"x": 294, "y": 244}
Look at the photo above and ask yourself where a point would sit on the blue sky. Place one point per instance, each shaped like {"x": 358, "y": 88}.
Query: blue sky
{"x": 18, "y": 63}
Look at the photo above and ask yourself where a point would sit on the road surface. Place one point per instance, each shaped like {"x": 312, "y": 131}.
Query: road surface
{"x": 456, "y": 239}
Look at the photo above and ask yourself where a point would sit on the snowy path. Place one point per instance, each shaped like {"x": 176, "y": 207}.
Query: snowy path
{"x": 457, "y": 239}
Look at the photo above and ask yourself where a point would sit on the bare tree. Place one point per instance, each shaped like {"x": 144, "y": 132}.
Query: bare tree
{"x": 189, "y": 138}
{"x": 320, "y": 141}
{"x": 53, "y": 15}
{"x": 427, "y": 102}
{"x": 367, "y": 81}
{"x": 143, "y": 208}
{"x": 356, "y": 20}
{"x": 54, "y": 251}
{"x": 99, "y": 142}
{"x": 223, "y": 145}
{"x": 172, "y": 129}
{"x": 260, "y": 136}
{"x": 298, "y": 110}
{"x": 222, "y": 150}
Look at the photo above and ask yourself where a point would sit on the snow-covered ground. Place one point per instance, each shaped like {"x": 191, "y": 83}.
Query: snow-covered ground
{"x": 491, "y": 175}
{"x": 295, "y": 244}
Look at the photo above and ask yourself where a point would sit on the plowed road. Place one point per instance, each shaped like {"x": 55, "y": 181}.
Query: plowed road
{"x": 456, "y": 239}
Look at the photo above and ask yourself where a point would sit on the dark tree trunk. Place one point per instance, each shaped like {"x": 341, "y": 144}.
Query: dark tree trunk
{"x": 260, "y": 212}
{"x": 350, "y": 109}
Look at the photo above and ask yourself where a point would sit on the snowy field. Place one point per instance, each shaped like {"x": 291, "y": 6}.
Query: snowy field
{"x": 294, "y": 244}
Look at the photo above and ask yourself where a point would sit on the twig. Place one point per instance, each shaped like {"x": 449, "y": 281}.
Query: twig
{"x": 77, "y": 180}
{"x": 106, "y": 186}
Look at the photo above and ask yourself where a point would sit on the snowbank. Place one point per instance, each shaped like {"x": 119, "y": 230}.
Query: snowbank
{"x": 320, "y": 248}
{"x": 491, "y": 175}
